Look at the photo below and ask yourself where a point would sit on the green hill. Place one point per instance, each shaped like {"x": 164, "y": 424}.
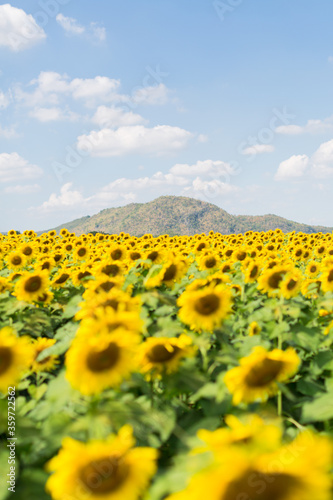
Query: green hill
{"x": 180, "y": 215}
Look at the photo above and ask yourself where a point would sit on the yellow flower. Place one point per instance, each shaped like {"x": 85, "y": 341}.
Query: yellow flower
{"x": 31, "y": 286}
{"x": 5, "y": 285}
{"x": 112, "y": 469}
{"x": 205, "y": 309}
{"x": 291, "y": 284}
{"x": 252, "y": 271}
{"x": 16, "y": 260}
{"x": 250, "y": 431}
{"x": 327, "y": 280}
{"x": 296, "y": 471}
{"x": 97, "y": 362}
{"x": 47, "y": 364}
{"x": 172, "y": 271}
{"x": 16, "y": 355}
{"x": 257, "y": 376}
{"x": 271, "y": 279}
{"x": 254, "y": 329}
{"x": 163, "y": 354}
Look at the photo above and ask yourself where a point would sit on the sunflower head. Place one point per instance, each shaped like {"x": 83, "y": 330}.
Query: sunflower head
{"x": 160, "y": 355}
{"x": 31, "y": 286}
{"x": 16, "y": 355}
{"x": 257, "y": 376}
{"x": 110, "y": 469}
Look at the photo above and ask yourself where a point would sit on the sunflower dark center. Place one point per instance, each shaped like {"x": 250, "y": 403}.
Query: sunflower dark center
{"x": 330, "y": 276}
{"x": 16, "y": 260}
{"x": 99, "y": 361}
{"x": 62, "y": 279}
{"x": 170, "y": 273}
{"x": 275, "y": 279}
{"x": 107, "y": 286}
{"x": 313, "y": 269}
{"x": 299, "y": 253}
{"x": 254, "y": 271}
{"x": 153, "y": 256}
{"x": 83, "y": 274}
{"x": 210, "y": 262}
{"x": 116, "y": 254}
{"x": 114, "y": 303}
{"x": 33, "y": 284}
{"x": 201, "y": 246}
{"x": 241, "y": 255}
{"x": 6, "y": 357}
{"x": 105, "y": 475}
{"x": 207, "y": 304}
{"x": 27, "y": 251}
{"x": 263, "y": 373}
{"x": 111, "y": 270}
{"x": 160, "y": 354}
{"x": 259, "y": 486}
{"x": 81, "y": 252}
{"x": 291, "y": 284}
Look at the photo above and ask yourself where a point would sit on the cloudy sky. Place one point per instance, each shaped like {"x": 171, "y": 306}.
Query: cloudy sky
{"x": 110, "y": 102}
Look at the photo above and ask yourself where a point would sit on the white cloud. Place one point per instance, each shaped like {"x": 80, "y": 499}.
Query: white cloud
{"x": 126, "y": 190}
{"x": 50, "y": 86}
{"x": 154, "y": 95}
{"x": 70, "y": 25}
{"x": 4, "y": 100}
{"x": 52, "y": 114}
{"x": 27, "y": 189}
{"x": 258, "y": 149}
{"x": 15, "y": 168}
{"x": 67, "y": 198}
{"x": 94, "y": 31}
{"x": 209, "y": 189}
{"x": 213, "y": 169}
{"x": 319, "y": 165}
{"x": 8, "y": 132}
{"x": 311, "y": 127}
{"x": 294, "y": 167}
{"x": 18, "y": 30}
{"x": 112, "y": 117}
{"x": 134, "y": 140}
{"x": 322, "y": 160}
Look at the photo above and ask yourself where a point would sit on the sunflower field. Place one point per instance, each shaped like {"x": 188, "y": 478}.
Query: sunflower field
{"x": 175, "y": 368}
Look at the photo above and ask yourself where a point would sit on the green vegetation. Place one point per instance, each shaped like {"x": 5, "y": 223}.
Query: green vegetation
{"x": 177, "y": 215}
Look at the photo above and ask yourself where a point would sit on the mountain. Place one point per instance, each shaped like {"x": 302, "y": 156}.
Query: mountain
{"x": 175, "y": 215}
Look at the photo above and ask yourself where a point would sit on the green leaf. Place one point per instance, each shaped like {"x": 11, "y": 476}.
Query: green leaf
{"x": 319, "y": 410}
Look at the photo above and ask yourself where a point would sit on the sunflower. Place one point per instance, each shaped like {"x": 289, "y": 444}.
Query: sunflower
{"x": 250, "y": 431}
{"x": 257, "y": 376}
{"x": 327, "y": 280}
{"x": 291, "y": 283}
{"x": 61, "y": 278}
{"x": 208, "y": 262}
{"x": 254, "y": 329}
{"x": 5, "y": 285}
{"x": 271, "y": 279}
{"x": 312, "y": 269}
{"x": 299, "y": 470}
{"x": 110, "y": 320}
{"x": 115, "y": 299}
{"x": 16, "y": 355}
{"x": 110, "y": 469}
{"x": 172, "y": 271}
{"x": 252, "y": 271}
{"x": 47, "y": 364}
{"x": 163, "y": 354}
{"x": 31, "y": 286}
{"x": 81, "y": 253}
{"x": 205, "y": 309}
{"x": 16, "y": 260}
{"x": 95, "y": 363}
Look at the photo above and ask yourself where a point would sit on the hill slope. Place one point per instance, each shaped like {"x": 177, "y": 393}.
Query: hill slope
{"x": 180, "y": 215}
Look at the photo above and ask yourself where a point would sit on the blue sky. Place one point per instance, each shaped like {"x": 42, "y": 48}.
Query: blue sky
{"x": 105, "y": 103}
